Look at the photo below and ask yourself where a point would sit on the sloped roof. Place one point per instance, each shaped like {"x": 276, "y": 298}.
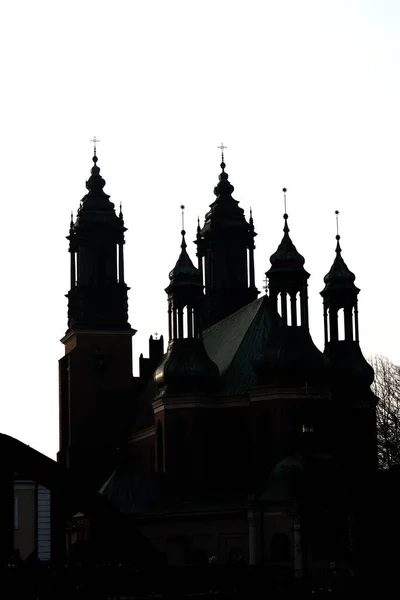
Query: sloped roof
{"x": 234, "y": 342}
{"x": 132, "y": 492}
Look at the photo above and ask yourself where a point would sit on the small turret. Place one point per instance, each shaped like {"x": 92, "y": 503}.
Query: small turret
{"x": 290, "y": 355}
{"x": 186, "y": 368}
{"x": 340, "y": 297}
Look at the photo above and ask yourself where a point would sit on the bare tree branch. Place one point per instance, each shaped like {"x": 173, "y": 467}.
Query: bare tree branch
{"x": 387, "y": 387}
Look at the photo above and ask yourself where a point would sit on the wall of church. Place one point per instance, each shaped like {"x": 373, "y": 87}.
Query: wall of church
{"x": 191, "y": 540}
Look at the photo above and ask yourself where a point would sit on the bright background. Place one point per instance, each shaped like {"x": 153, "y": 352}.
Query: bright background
{"x": 304, "y": 95}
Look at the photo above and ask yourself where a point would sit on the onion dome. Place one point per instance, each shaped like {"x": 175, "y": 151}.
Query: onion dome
{"x": 95, "y": 205}
{"x": 186, "y": 369}
{"x": 349, "y": 365}
{"x": 290, "y": 357}
{"x": 225, "y": 211}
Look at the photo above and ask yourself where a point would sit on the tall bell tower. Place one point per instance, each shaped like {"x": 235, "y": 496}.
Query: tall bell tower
{"x": 225, "y": 251}
{"x": 95, "y": 375}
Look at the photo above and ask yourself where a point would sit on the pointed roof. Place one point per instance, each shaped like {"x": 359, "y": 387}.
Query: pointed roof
{"x": 95, "y": 205}
{"x": 184, "y": 272}
{"x": 225, "y": 210}
{"x": 339, "y": 275}
{"x": 286, "y": 257}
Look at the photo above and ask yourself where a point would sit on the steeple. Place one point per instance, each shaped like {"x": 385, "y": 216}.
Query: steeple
{"x": 95, "y": 374}
{"x": 186, "y": 367}
{"x": 290, "y": 355}
{"x": 341, "y": 331}
{"x": 225, "y": 251}
{"x": 287, "y": 279}
{"x": 98, "y": 295}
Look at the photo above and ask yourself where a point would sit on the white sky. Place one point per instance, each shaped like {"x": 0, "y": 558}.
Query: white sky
{"x": 305, "y": 94}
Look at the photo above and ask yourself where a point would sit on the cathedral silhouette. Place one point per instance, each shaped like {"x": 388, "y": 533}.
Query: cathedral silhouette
{"x": 241, "y": 441}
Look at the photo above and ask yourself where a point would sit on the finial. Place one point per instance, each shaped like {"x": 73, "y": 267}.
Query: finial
{"x": 120, "y": 210}
{"x": 337, "y": 224}
{"x": 338, "y": 248}
{"x": 183, "y": 216}
{"x": 198, "y": 225}
{"x": 72, "y": 217}
{"x": 251, "y": 214}
{"x": 95, "y": 141}
{"x": 285, "y": 215}
{"x": 183, "y": 232}
{"x": 222, "y": 148}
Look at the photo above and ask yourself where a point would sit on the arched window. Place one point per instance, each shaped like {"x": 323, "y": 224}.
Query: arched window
{"x": 280, "y": 547}
{"x": 160, "y": 447}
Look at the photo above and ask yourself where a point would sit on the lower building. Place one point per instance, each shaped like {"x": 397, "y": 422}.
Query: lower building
{"x": 32, "y": 525}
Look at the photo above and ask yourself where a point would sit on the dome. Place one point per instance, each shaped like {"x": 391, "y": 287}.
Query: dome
{"x": 291, "y": 356}
{"x": 309, "y": 477}
{"x": 225, "y": 212}
{"x": 349, "y": 366}
{"x": 186, "y": 368}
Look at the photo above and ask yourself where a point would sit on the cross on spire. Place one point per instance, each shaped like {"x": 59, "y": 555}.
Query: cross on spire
{"x": 95, "y": 141}
{"x": 222, "y": 148}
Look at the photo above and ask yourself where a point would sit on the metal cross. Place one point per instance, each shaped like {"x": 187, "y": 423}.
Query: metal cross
{"x": 95, "y": 141}
{"x": 222, "y": 148}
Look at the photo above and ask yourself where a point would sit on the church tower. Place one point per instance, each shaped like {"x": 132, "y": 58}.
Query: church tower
{"x": 185, "y": 379}
{"x": 352, "y": 375}
{"x": 95, "y": 375}
{"x": 225, "y": 250}
{"x": 292, "y": 373}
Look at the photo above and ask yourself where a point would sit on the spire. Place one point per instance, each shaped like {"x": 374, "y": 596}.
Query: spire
{"x": 186, "y": 367}
{"x": 290, "y": 355}
{"x": 339, "y": 275}
{"x": 286, "y": 257}
{"x": 341, "y": 332}
{"x": 184, "y": 272}
{"x": 225, "y": 251}
{"x": 224, "y": 189}
{"x": 98, "y": 295}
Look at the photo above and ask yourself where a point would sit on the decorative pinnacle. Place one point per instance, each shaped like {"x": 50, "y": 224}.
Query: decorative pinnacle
{"x": 183, "y": 232}
{"x": 337, "y": 225}
{"x": 95, "y": 141}
{"x": 284, "y": 190}
{"x": 222, "y": 148}
{"x": 183, "y": 216}
{"x": 285, "y": 215}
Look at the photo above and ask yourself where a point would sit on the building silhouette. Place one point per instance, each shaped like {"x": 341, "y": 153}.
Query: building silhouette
{"x": 241, "y": 440}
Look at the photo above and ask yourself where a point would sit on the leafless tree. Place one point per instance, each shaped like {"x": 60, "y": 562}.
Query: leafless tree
{"x": 387, "y": 387}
